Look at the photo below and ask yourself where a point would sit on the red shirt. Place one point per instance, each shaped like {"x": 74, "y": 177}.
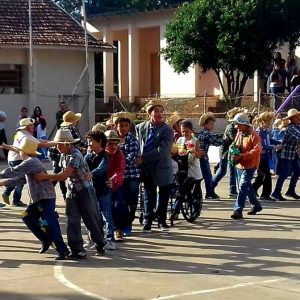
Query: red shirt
{"x": 116, "y": 169}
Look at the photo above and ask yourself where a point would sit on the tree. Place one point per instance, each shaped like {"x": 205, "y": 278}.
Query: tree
{"x": 236, "y": 37}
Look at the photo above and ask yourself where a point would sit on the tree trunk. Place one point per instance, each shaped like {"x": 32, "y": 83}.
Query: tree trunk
{"x": 237, "y": 84}
{"x": 220, "y": 81}
{"x": 243, "y": 84}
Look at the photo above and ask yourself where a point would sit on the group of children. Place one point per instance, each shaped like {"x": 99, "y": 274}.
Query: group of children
{"x": 103, "y": 181}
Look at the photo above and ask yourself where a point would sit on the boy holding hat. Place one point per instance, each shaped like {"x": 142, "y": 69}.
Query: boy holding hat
{"x": 130, "y": 148}
{"x": 81, "y": 201}
{"x": 288, "y": 158}
{"x": 206, "y": 139}
{"x": 42, "y": 197}
{"x": 248, "y": 141}
{"x": 155, "y": 138}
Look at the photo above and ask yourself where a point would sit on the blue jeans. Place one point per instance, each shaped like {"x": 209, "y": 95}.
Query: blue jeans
{"x": 245, "y": 190}
{"x": 105, "y": 205}
{"x": 45, "y": 209}
{"x": 131, "y": 194}
{"x": 222, "y": 170}
{"x": 17, "y": 189}
{"x": 151, "y": 201}
{"x": 206, "y": 173}
{"x": 284, "y": 169}
{"x": 120, "y": 209}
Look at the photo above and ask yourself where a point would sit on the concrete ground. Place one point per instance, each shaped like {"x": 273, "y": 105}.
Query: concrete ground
{"x": 214, "y": 258}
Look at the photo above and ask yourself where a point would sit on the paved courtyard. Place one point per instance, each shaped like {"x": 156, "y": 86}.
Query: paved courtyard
{"x": 214, "y": 258}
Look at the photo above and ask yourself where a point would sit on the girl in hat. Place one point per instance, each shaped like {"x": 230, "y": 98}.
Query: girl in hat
{"x": 42, "y": 197}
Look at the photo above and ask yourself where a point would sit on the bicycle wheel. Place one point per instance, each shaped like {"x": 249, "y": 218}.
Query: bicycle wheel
{"x": 191, "y": 205}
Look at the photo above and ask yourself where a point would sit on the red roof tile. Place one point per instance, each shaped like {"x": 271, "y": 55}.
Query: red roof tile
{"x": 51, "y": 25}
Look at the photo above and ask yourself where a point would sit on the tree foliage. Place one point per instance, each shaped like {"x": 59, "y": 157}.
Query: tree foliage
{"x": 237, "y": 37}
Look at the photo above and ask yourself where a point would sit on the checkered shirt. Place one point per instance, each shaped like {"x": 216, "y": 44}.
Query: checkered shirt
{"x": 130, "y": 149}
{"x": 290, "y": 142}
{"x": 207, "y": 138}
{"x": 229, "y": 136}
{"x": 76, "y": 182}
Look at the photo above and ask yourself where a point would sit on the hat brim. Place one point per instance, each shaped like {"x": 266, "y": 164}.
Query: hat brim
{"x": 288, "y": 118}
{"x": 77, "y": 117}
{"x": 239, "y": 123}
{"x": 66, "y": 142}
{"x": 149, "y": 107}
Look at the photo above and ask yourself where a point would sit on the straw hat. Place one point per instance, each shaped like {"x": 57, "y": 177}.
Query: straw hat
{"x": 204, "y": 117}
{"x": 277, "y": 123}
{"x": 122, "y": 115}
{"x": 29, "y": 146}
{"x": 153, "y": 102}
{"x": 64, "y": 136}
{"x": 264, "y": 117}
{"x": 292, "y": 113}
{"x": 173, "y": 119}
{"x": 111, "y": 135}
{"x": 23, "y": 123}
{"x": 242, "y": 119}
{"x": 283, "y": 124}
{"x": 69, "y": 118}
{"x": 232, "y": 112}
{"x": 110, "y": 122}
{"x": 99, "y": 127}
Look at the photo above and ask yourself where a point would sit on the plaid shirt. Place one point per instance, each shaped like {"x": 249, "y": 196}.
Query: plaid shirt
{"x": 290, "y": 142}
{"x": 207, "y": 138}
{"x": 229, "y": 136}
{"x": 76, "y": 182}
{"x": 130, "y": 149}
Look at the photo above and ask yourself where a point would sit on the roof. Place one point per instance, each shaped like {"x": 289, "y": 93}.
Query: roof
{"x": 51, "y": 26}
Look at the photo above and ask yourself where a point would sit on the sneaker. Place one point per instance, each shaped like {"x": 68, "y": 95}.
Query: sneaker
{"x": 147, "y": 228}
{"x": 100, "y": 252}
{"x": 110, "y": 245}
{"x": 213, "y": 197}
{"x": 89, "y": 245}
{"x": 254, "y": 210}
{"x": 266, "y": 198}
{"x": 232, "y": 196}
{"x": 163, "y": 227}
{"x": 2, "y": 205}
{"x": 292, "y": 194}
{"x": 45, "y": 247}
{"x": 118, "y": 235}
{"x": 237, "y": 215}
{"x": 279, "y": 197}
{"x": 77, "y": 255}
{"x": 5, "y": 198}
{"x": 62, "y": 256}
{"x": 19, "y": 204}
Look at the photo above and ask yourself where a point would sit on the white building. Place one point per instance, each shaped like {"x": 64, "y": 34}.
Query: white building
{"x": 58, "y": 61}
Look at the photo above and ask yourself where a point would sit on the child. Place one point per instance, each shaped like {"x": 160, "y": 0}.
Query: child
{"x": 42, "y": 198}
{"x": 188, "y": 146}
{"x": 81, "y": 201}
{"x": 263, "y": 177}
{"x": 97, "y": 161}
{"x": 207, "y": 138}
{"x": 130, "y": 148}
{"x": 116, "y": 171}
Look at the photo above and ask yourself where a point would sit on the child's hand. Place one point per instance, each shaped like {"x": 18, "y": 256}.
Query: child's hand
{"x": 109, "y": 183}
{"x": 40, "y": 176}
{"x": 278, "y": 147}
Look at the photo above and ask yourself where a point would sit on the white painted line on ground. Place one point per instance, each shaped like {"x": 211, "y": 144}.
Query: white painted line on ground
{"x": 59, "y": 275}
{"x": 236, "y": 286}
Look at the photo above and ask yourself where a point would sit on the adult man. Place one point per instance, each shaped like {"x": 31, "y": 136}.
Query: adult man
{"x": 288, "y": 158}
{"x": 60, "y": 113}
{"x": 155, "y": 138}
{"x": 3, "y": 138}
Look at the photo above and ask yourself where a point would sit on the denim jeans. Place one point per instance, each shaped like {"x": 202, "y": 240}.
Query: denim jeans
{"x": 45, "y": 209}
{"x": 245, "y": 189}
{"x": 285, "y": 166}
{"x": 152, "y": 201}
{"x": 17, "y": 189}
{"x": 131, "y": 194}
{"x": 105, "y": 204}
{"x": 120, "y": 209}
{"x": 222, "y": 170}
{"x": 206, "y": 173}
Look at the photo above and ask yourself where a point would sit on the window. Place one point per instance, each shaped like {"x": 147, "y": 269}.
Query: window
{"x": 10, "y": 79}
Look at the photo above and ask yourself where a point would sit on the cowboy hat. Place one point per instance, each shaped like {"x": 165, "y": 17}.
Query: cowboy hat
{"x": 277, "y": 123}
{"x": 23, "y": 123}
{"x": 152, "y": 103}
{"x": 29, "y": 146}
{"x": 122, "y": 115}
{"x": 204, "y": 117}
{"x": 111, "y": 135}
{"x": 64, "y": 136}
{"x": 173, "y": 119}
{"x": 70, "y": 118}
{"x": 292, "y": 113}
{"x": 99, "y": 127}
{"x": 242, "y": 119}
{"x": 283, "y": 124}
{"x": 232, "y": 112}
{"x": 264, "y": 117}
